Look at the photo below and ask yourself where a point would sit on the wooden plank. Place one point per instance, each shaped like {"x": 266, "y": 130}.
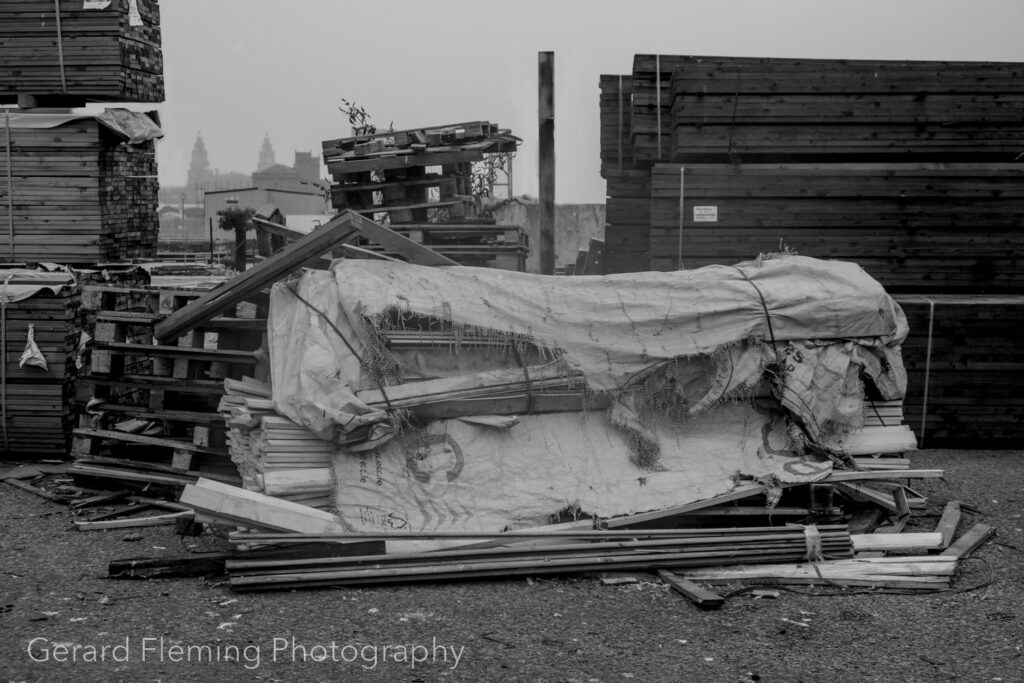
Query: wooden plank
{"x": 969, "y": 542}
{"x": 948, "y": 523}
{"x": 292, "y": 257}
{"x": 248, "y": 508}
{"x": 897, "y": 542}
{"x": 701, "y": 597}
{"x": 148, "y": 441}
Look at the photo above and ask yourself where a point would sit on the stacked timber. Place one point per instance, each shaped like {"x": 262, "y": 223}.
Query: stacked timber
{"x": 951, "y": 227}
{"x": 965, "y": 370}
{"x": 76, "y": 191}
{"x": 421, "y": 183}
{"x": 67, "y": 51}
{"x": 41, "y": 336}
{"x": 909, "y": 168}
{"x": 723, "y": 108}
{"x": 274, "y": 456}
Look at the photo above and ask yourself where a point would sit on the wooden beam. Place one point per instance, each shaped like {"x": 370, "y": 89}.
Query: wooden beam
{"x": 948, "y": 523}
{"x": 148, "y": 440}
{"x": 292, "y": 257}
{"x": 704, "y": 599}
{"x": 969, "y": 542}
{"x": 546, "y": 141}
{"x": 400, "y": 244}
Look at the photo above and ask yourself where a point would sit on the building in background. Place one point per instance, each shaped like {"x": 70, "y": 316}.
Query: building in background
{"x": 183, "y": 212}
{"x": 266, "y": 155}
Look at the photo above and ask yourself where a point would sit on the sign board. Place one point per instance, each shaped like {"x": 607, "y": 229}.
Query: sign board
{"x": 705, "y": 214}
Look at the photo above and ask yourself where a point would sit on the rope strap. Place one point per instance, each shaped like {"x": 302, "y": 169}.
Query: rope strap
{"x": 60, "y": 49}
{"x": 764, "y": 307}
{"x": 927, "y": 367}
{"x": 10, "y": 182}
{"x": 526, "y": 378}
{"x": 3, "y": 362}
{"x": 812, "y": 540}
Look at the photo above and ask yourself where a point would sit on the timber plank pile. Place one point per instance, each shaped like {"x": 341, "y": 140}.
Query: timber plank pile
{"x": 38, "y": 397}
{"x": 911, "y": 169}
{"x": 420, "y": 182}
{"x": 76, "y": 193}
{"x": 65, "y": 51}
{"x": 915, "y": 227}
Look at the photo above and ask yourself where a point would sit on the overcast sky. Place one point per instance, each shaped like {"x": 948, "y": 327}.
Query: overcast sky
{"x": 237, "y": 69}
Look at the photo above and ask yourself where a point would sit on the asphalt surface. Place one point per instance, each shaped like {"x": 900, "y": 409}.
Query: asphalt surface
{"x": 54, "y": 596}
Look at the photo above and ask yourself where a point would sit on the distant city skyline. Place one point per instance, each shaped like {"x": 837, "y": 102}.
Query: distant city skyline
{"x": 242, "y": 70}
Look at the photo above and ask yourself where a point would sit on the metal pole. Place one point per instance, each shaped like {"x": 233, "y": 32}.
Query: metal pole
{"x": 211, "y": 239}
{"x": 546, "y": 137}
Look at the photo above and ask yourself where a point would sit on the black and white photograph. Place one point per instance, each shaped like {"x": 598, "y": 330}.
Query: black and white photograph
{"x": 565, "y": 341}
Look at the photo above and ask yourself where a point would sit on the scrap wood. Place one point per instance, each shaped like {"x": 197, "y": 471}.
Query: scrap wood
{"x": 33, "y": 470}
{"x": 916, "y": 572}
{"x": 475, "y": 385}
{"x": 221, "y": 503}
{"x": 35, "y": 490}
{"x": 585, "y": 554}
{"x": 431, "y": 570}
{"x": 898, "y": 542}
{"x": 549, "y": 531}
{"x": 203, "y": 564}
{"x": 948, "y": 523}
{"x": 701, "y": 597}
{"x": 339, "y": 229}
{"x": 126, "y": 523}
{"x": 969, "y": 542}
{"x": 119, "y": 519}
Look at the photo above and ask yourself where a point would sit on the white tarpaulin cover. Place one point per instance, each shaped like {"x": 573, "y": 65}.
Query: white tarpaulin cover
{"x": 463, "y": 477}
{"x": 705, "y": 335}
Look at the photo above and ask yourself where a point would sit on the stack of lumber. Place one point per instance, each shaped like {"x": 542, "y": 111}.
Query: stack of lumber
{"x": 66, "y": 50}
{"x": 910, "y": 169}
{"x": 548, "y": 553}
{"x": 824, "y": 109}
{"x": 616, "y": 116}
{"x": 38, "y": 403}
{"x": 420, "y": 181}
{"x": 705, "y": 109}
{"x": 965, "y": 370}
{"x": 274, "y": 455}
{"x": 75, "y": 193}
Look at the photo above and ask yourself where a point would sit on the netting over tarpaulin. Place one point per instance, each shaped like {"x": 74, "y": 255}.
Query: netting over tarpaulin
{"x": 654, "y": 355}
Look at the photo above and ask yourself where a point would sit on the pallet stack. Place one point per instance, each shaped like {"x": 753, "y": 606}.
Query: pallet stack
{"x": 419, "y": 181}
{"x": 78, "y": 193}
{"x": 135, "y": 395}
{"x": 55, "y": 51}
{"x": 38, "y": 402}
{"x": 910, "y": 169}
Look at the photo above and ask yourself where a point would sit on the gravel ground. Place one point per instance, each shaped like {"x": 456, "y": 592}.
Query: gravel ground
{"x": 53, "y": 591}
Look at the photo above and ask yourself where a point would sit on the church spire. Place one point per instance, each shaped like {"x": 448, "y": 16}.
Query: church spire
{"x": 199, "y": 170}
{"x": 266, "y": 154}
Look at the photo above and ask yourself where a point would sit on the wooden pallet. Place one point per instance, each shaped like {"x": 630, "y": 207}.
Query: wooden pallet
{"x": 176, "y": 386}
